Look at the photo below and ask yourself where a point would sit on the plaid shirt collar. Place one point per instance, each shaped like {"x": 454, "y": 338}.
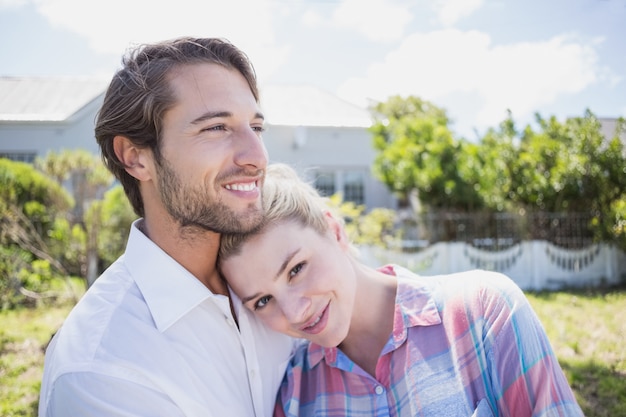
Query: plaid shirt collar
{"x": 415, "y": 306}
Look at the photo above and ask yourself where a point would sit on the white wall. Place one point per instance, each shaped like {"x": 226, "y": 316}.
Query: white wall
{"x": 42, "y": 137}
{"x": 332, "y": 148}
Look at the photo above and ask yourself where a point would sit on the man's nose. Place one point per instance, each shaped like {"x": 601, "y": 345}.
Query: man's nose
{"x": 250, "y": 150}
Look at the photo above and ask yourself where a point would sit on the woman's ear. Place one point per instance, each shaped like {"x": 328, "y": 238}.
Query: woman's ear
{"x": 336, "y": 229}
{"x": 135, "y": 159}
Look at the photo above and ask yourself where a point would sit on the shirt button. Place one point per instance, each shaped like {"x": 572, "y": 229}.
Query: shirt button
{"x": 379, "y": 390}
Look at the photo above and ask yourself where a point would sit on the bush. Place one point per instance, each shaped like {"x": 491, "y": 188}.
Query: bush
{"x": 31, "y": 205}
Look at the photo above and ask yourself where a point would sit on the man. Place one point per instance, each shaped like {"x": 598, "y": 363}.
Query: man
{"x": 158, "y": 334}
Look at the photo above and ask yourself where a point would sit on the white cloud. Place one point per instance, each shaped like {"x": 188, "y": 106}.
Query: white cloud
{"x": 114, "y": 25}
{"x": 377, "y": 20}
{"x": 11, "y": 4}
{"x": 451, "y": 11}
{"x": 312, "y": 19}
{"x": 519, "y": 76}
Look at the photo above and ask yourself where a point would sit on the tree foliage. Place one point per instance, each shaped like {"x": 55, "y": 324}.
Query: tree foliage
{"x": 568, "y": 167}
{"x": 44, "y": 235}
{"x": 417, "y": 153}
{"x": 375, "y": 228}
{"x": 563, "y": 167}
{"x": 81, "y": 172}
{"x": 115, "y": 217}
{"x": 31, "y": 206}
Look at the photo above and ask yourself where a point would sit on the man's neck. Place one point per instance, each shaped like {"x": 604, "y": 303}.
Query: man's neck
{"x": 195, "y": 250}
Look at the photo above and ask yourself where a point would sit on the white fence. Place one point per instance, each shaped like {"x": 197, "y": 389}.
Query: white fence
{"x": 533, "y": 265}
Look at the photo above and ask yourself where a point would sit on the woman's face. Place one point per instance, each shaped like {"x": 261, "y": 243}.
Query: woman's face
{"x": 297, "y": 281}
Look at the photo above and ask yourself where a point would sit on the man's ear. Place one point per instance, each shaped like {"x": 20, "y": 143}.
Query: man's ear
{"x": 336, "y": 228}
{"x": 136, "y": 160}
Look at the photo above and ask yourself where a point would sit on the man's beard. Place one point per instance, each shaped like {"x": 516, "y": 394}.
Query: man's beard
{"x": 194, "y": 207}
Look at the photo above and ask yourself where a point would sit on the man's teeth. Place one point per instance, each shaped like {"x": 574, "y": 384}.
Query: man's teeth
{"x": 249, "y": 186}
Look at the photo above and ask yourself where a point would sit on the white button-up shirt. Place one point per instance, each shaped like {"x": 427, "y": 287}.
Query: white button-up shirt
{"x": 148, "y": 339}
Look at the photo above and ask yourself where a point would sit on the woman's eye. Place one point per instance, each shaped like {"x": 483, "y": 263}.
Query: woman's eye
{"x": 296, "y": 270}
{"x": 262, "y": 302}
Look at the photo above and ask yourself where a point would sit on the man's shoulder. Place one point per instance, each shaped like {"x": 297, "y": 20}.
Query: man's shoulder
{"x": 87, "y": 326}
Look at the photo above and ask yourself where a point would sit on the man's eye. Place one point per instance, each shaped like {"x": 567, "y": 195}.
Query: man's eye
{"x": 262, "y": 302}
{"x": 214, "y": 128}
{"x": 258, "y": 128}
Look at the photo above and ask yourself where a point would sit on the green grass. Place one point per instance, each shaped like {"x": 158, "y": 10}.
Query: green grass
{"x": 587, "y": 331}
{"x": 24, "y": 333}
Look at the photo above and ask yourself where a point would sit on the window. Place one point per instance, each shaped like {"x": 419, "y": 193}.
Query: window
{"x": 325, "y": 183}
{"x": 354, "y": 187}
{"x": 351, "y": 184}
{"x": 28, "y": 157}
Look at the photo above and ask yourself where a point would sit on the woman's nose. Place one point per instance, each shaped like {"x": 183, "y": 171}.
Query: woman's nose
{"x": 296, "y": 309}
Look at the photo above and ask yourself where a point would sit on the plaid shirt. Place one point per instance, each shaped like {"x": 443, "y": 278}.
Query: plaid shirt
{"x": 464, "y": 344}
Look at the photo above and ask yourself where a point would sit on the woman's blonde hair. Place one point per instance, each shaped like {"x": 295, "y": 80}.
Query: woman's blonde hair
{"x": 285, "y": 197}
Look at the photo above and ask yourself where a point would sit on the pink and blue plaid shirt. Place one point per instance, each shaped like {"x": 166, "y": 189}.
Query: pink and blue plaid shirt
{"x": 465, "y": 344}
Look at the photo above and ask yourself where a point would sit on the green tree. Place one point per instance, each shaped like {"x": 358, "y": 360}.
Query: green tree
{"x": 87, "y": 178}
{"x": 568, "y": 167}
{"x": 418, "y": 155}
{"x": 571, "y": 167}
{"x": 31, "y": 208}
{"x": 375, "y": 228}
{"x": 116, "y": 215}
{"x": 82, "y": 172}
{"x": 489, "y": 163}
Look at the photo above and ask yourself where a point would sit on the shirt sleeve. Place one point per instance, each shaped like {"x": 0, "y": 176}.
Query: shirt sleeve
{"x": 90, "y": 394}
{"x": 526, "y": 375}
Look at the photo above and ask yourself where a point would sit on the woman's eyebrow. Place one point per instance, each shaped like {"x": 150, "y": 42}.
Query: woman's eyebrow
{"x": 286, "y": 261}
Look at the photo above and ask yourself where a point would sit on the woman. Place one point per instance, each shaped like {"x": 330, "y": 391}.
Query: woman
{"x": 386, "y": 341}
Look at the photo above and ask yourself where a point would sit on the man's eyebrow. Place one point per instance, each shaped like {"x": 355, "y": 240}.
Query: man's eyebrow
{"x": 215, "y": 114}
{"x": 210, "y": 115}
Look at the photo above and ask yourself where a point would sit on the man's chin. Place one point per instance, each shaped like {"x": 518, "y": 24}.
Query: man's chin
{"x": 246, "y": 225}
{"x": 222, "y": 219}
{"x": 240, "y": 223}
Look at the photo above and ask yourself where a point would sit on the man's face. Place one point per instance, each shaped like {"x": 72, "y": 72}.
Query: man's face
{"x": 213, "y": 157}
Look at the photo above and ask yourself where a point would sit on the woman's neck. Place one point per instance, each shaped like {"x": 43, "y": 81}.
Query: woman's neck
{"x": 372, "y": 318}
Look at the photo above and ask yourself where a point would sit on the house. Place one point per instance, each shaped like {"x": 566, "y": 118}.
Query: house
{"x": 38, "y": 115}
{"x": 323, "y": 137}
{"x": 609, "y": 129}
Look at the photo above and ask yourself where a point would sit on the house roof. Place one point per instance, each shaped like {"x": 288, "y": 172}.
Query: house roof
{"x": 305, "y": 105}
{"x": 46, "y": 98}
{"x": 58, "y": 98}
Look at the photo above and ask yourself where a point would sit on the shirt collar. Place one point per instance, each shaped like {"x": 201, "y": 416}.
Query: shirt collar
{"x": 415, "y": 306}
{"x": 170, "y": 291}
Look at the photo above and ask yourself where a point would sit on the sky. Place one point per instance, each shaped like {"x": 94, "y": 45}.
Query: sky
{"x": 477, "y": 59}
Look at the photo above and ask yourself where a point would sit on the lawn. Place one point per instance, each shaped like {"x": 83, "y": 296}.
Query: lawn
{"x": 24, "y": 334}
{"x": 587, "y": 331}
